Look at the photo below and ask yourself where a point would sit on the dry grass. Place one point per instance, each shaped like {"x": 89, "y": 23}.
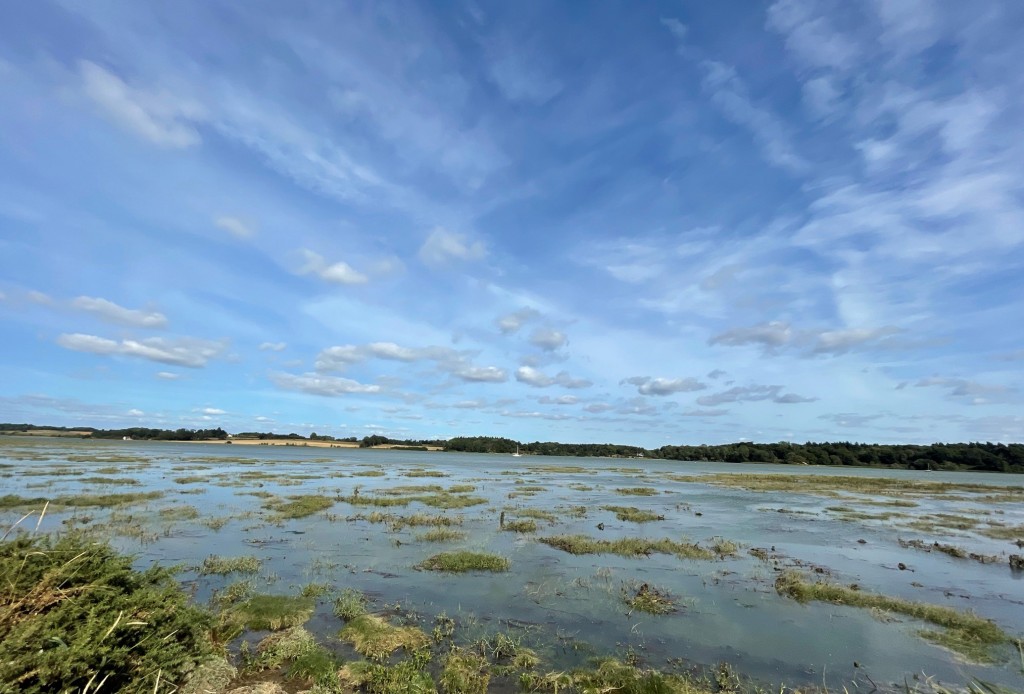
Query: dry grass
{"x": 627, "y": 546}
{"x": 377, "y": 639}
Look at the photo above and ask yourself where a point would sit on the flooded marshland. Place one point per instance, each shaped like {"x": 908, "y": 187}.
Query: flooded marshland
{"x": 792, "y": 576}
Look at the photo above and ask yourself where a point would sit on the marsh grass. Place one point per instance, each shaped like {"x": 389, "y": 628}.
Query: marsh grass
{"x": 369, "y": 473}
{"x": 646, "y": 598}
{"x": 831, "y": 485}
{"x": 438, "y": 499}
{"x": 376, "y": 638}
{"x": 222, "y": 566}
{"x": 296, "y": 650}
{"x": 463, "y": 561}
{"x": 299, "y": 506}
{"x": 190, "y": 479}
{"x": 627, "y": 546}
{"x": 637, "y": 491}
{"x": 315, "y": 590}
{"x": 536, "y": 514}
{"x": 520, "y": 526}
{"x": 272, "y": 612}
{"x": 615, "y": 676}
{"x": 1006, "y": 532}
{"x": 424, "y": 473}
{"x": 965, "y": 633}
{"x": 405, "y": 677}
{"x": 465, "y": 672}
{"x": 633, "y": 514}
{"x": 350, "y": 604}
{"x": 119, "y": 481}
{"x": 75, "y": 616}
{"x": 441, "y": 535}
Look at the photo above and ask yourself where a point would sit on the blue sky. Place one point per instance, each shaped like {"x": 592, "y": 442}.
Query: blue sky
{"x": 643, "y": 223}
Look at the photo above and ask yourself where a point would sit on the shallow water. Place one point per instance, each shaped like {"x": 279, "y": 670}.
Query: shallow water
{"x": 567, "y": 607}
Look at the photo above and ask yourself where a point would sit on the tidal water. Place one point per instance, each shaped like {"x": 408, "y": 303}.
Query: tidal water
{"x": 569, "y": 608}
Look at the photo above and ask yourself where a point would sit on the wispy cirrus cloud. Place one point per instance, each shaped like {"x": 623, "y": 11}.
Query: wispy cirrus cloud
{"x": 538, "y": 379}
{"x": 189, "y": 352}
{"x": 113, "y": 313}
{"x": 161, "y": 118}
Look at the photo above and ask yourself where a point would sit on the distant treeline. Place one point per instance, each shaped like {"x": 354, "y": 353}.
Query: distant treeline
{"x": 990, "y": 457}
{"x": 994, "y": 457}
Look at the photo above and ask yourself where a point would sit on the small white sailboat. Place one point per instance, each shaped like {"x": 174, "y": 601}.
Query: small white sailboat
{"x": 517, "y": 454}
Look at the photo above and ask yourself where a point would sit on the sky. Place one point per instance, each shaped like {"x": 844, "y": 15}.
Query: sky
{"x": 643, "y": 223}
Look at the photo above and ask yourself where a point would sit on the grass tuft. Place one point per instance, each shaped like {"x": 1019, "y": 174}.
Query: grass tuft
{"x": 965, "y": 633}
{"x": 376, "y": 638}
{"x": 627, "y": 546}
{"x": 462, "y": 561}
{"x": 221, "y": 566}
{"x": 273, "y": 612}
{"x": 633, "y": 514}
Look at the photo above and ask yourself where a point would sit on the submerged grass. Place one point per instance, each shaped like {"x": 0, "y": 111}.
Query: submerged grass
{"x": 441, "y": 535}
{"x": 272, "y": 612}
{"x": 463, "y": 561}
{"x": 637, "y": 491}
{"x": 299, "y": 506}
{"x": 649, "y": 599}
{"x": 521, "y": 526}
{"x": 965, "y": 633}
{"x": 222, "y": 566}
{"x": 829, "y": 485}
{"x": 627, "y": 546}
{"x": 633, "y": 514}
{"x": 377, "y": 639}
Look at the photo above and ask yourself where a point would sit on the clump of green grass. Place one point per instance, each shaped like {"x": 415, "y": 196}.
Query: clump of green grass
{"x": 369, "y": 473}
{"x": 614, "y": 676}
{"x": 190, "y": 479}
{"x": 179, "y": 513}
{"x": 350, "y": 604}
{"x": 234, "y": 593}
{"x": 465, "y": 673}
{"x": 637, "y": 491}
{"x": 441, "y": 535}
{"x": 633, "y": 514}
{"x": 521, "y": 526}
{"x": 462, "y": 561}
{"x": 627, "y": 546}
{"x": 273, "y": 612}
{"x": 377, "y": 639}
{"x": 462, "y": 488}
{"x": 217, "y": 522}
{"x": 1006, "y": 532}
{"x": 536, "y": 513}
{"x": 75, "y": 614}
{"x": 649, "y": 599}
{"x": 424, "y": 473}
{"x": 965, "y": 633}
{"x": 299, "y": 506}
{"x": 405, "y": 677}
{"x": 830, "y": 485}
{"x": 106, "y": 500}
{"x": 315, "y": 590}
{"x": 724, "y": 548}
{"x": 297, "y": 649}
{"x": 221, "y": 566}
{"x": 120, "y": 481}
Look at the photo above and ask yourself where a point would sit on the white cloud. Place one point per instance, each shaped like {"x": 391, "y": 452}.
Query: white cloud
{"x": 443, "y": 246}
{"x": 234, "y": 226}
{"x": 676, "y": 28}
{"x": 339, "y": 357}
{"x": 664, "y": 386}
{"x": 512, "y": 322}
{"x": 273, "y": 346}
{"x": 769, "y": 335}
{"x": 167, "y": 375}
{"x": 212, "y": 411}
{"x": 821, "y": 96}
{"x": 480, "y": 374}
{"x": 135, "y": 413}
{"x": 729, "y": 93}
{"x": 339, "y": 272}
{"x": 111, "y": 312}
{"x": 162, "y": 119}
{"x": 598, "y": 407}
{"x": 190, "y": 352}
{"x": 40, "y": 298}
{"x": 317, "y": 384}
{"x": 560, "y": 400}
{"x": 840, "y": 341}
{"x": 536, "y": 378}
{"x": 548, "y": 339}
{"x": 517, "y": 72}
{"x": 809, "y": 35}
{"x": 752, "y": 394}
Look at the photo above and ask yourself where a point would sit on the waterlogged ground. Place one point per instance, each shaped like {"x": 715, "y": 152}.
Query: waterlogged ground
{"x": 375, "y": 518}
